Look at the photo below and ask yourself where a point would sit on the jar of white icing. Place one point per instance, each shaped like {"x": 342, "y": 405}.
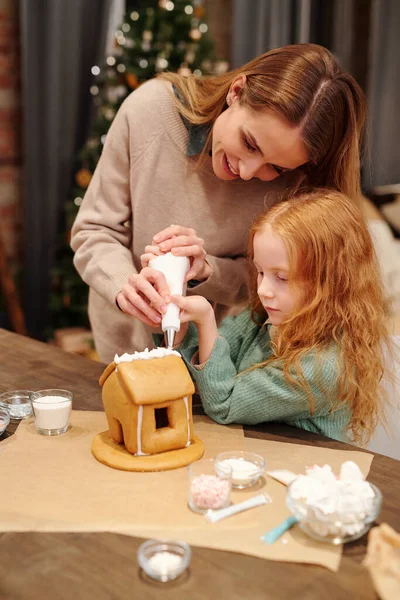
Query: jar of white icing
{"x": 247, "y": 467}
{"x": 164, "y": 560}
{"x": 52, "y": 411}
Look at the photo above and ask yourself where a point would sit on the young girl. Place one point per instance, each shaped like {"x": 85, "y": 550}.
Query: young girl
{"x": 309, "y": 350}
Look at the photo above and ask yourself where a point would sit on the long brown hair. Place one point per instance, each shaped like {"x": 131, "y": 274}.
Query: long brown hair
{"x": 332, "y": 257}
{"x": 305, "y": 85}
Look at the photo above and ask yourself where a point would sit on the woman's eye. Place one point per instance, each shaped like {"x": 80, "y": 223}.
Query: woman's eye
{"x": 248, "y": 145}
{"x": 277, "y": 170}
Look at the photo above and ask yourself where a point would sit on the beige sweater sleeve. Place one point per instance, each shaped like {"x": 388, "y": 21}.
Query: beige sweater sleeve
{"x": 99, "y": 237}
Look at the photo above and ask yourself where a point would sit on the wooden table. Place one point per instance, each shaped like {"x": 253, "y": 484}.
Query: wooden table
{"x": 103, "y": 565}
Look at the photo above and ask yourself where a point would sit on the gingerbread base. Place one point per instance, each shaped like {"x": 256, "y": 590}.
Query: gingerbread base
{"x": 105, "y": 450}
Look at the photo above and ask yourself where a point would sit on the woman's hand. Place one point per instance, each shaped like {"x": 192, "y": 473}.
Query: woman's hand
{"x": 145, "y": 296}
{"x": 181, "y": 241}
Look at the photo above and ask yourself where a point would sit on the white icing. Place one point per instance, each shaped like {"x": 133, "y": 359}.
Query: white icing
{"x": 139, "y": 433}
{"x": 165, "y": 563}
{"x": 188, "y": 419}
{"x": 243, "y": 471}
{"x": 145, "y": 355}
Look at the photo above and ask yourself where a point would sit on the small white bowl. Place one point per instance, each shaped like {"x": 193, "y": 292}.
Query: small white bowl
{"x": 247, "y": 467}
{"x": 164, "y": 560}
{"x": 18, "y": 403}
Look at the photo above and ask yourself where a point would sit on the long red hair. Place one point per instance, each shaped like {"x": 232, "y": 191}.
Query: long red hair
{"x": 332, "y": 257}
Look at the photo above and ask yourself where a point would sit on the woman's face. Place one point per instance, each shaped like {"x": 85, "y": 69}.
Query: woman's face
{"x": 246, "y": 144}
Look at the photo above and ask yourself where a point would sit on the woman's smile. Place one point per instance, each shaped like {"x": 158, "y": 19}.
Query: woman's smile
{"x": 226, "y": 165}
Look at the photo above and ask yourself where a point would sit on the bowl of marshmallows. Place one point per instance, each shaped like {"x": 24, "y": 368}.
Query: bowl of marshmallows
{"x": 334, "y": 509}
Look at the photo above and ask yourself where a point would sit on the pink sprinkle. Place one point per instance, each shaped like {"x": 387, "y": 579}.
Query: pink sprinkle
{"x": 209, "y": 491}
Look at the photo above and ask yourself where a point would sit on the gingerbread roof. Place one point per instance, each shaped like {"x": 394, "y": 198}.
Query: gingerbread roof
{"x": 153, "y": 381}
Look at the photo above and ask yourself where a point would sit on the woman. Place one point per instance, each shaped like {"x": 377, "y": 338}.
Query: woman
{"x": 208, "y": 154}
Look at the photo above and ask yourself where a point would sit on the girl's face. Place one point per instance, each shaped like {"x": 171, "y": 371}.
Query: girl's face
{"x": 279, "y": 296}
{"x": 247, "y": 144}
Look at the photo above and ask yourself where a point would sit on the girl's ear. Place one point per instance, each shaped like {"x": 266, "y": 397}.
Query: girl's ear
{"x": 236, "y": 87}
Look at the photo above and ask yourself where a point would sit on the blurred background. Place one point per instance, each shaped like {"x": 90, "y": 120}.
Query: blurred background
{"x": 65, "y": 68}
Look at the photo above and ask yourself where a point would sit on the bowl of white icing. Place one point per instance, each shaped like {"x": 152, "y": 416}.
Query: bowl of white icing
{"x": 334, "y": 509}
{"x": 164, "y": 560}
{"x": 247, "y": 467}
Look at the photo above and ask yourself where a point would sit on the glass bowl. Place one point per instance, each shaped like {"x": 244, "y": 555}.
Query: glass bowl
{"x": 4, "y": 419}
{"x": 18, "y": 403}
{"x": 247, "y": 467}
{"x": 335, "y": 527}
{"x": 209, "y": 487}
{"x": 164, "y": 560}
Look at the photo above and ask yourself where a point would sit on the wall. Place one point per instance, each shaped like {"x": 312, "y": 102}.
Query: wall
{"x": 10, "y": 133}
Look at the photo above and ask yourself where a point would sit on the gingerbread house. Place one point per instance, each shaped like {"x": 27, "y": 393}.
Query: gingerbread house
{"x": 148, "y": 404}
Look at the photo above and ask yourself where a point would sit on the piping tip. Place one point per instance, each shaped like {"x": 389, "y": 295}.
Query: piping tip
{"x": 170, "y": 335}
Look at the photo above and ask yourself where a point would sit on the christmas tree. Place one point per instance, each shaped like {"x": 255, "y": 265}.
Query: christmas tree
{"x": 161, "y": 35}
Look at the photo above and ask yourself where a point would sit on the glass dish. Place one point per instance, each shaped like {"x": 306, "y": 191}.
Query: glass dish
{"x": 18, "y": 403}
{"x": 334, "y": 528}
{"x": 247, "y": 467}
{"x": 52, "y": 411}
{"x": 164, "y": 560}
{"x": 209, "y": 486}
{"x": 4, "y": 419}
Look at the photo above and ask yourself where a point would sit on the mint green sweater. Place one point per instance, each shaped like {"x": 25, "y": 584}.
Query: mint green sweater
{"x": 263, "y": 394}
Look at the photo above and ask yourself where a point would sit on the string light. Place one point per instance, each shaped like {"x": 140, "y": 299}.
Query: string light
{"x": 111, "y": 61}
{"x": 143, "y": 63}
{"x": 134, "y": 15}
{"x": 95, "y": 70}
{"x": 121, "y": 68}
{"x": 203, "y": 28}
{"x": 94, "y": 90}
{"x": 103, "y": 139}
{"x": 195, "y": 34}
{"x": 170, "y": 6}
{"x": 121, "y": 39}
{"x": 78, "y": 201}
{"x": 126, "y": 27}
{"x": 161, "y": 63}
{"x": 189, "y": 9}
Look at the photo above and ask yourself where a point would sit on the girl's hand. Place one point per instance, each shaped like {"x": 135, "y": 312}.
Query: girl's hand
{"x": 145, "y": 296}
{"x": 150, "y": 252}
{"x": 200, "y": 311}
{"x": 183, "y": 241}
{"x": 194, "y": 308}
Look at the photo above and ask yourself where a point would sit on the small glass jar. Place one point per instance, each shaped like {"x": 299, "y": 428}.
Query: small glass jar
{"x": 18, "y": 403}
{"x": 209, "y": 487}
{"x": 164, "y": 560}
{"x": 247, "y": 467}
{"x": 52, "y": 411}
{"x": 4, "y": 419}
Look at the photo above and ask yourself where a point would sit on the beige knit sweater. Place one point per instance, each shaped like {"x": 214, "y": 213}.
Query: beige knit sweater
{"x": 144, "y": 179}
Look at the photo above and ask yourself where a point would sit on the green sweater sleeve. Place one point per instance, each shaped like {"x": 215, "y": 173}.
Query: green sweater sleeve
{"x": 230, "y": 394}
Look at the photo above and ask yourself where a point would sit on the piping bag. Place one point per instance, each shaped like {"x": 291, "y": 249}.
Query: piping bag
{"x": 174, "y": 269}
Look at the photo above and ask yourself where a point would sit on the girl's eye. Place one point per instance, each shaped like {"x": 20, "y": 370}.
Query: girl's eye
{"x": 284, "y": 279}
{"x": 248, "y": 145}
